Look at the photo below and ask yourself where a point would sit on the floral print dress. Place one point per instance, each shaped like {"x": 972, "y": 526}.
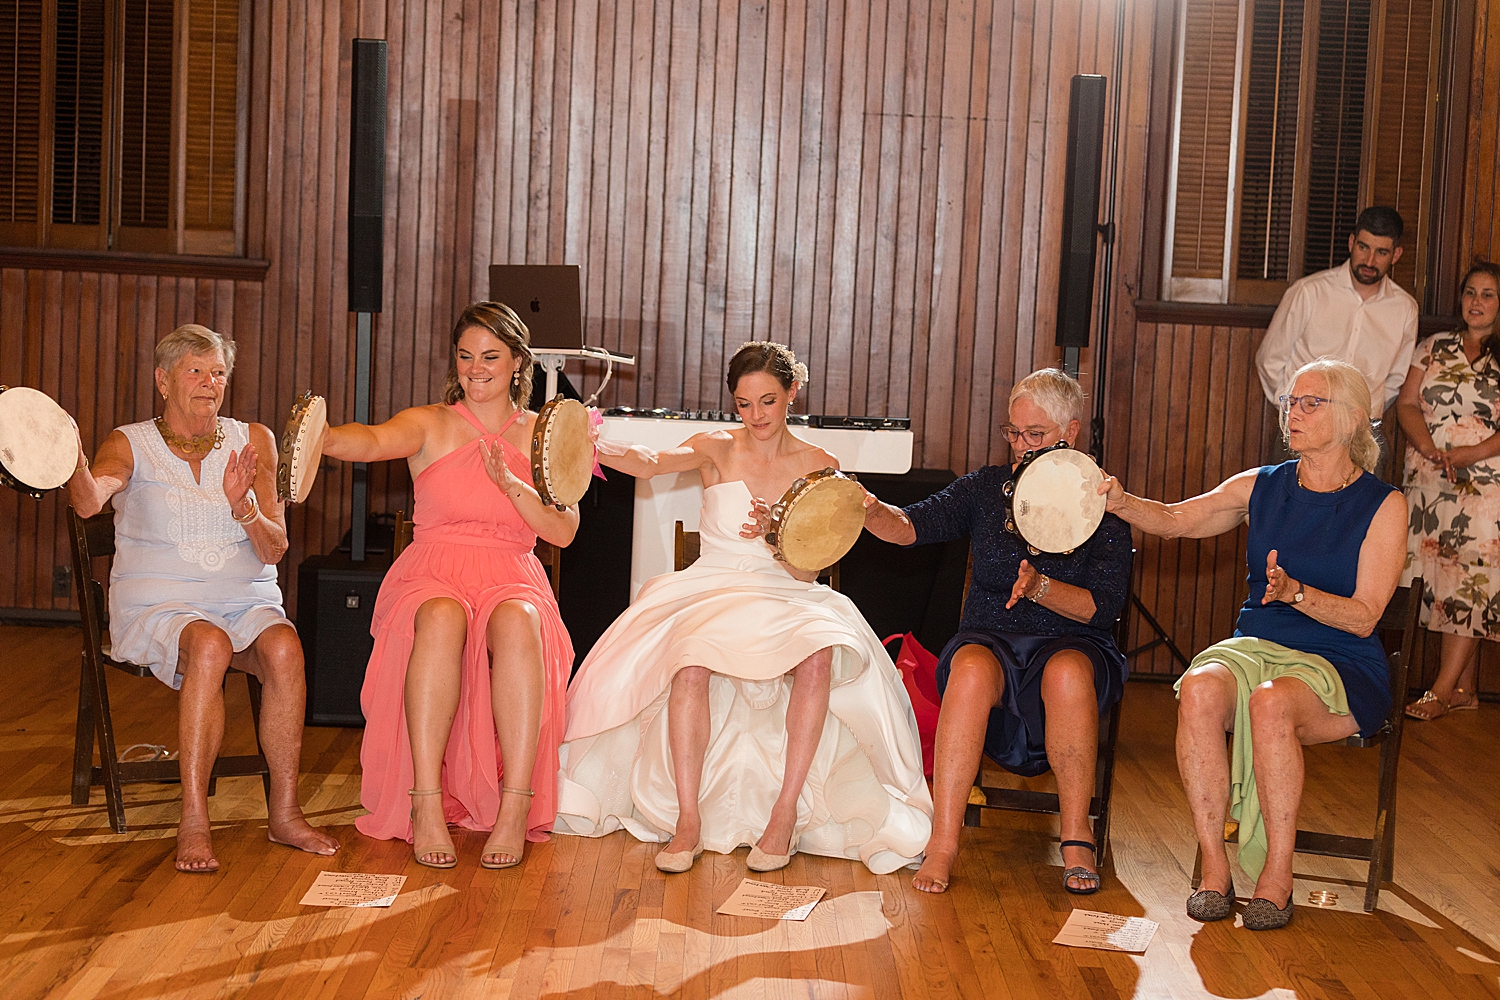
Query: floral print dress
{"x": 1454, "y": 541}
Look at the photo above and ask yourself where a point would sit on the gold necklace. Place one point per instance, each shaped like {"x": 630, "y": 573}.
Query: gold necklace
{"x": 1347, "y": 480}
{"x": 188, "y": 445}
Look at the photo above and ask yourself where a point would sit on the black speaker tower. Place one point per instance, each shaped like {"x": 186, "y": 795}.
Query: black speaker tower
{"x": 366, "y": 242}
{"x": 1080, "y": 235}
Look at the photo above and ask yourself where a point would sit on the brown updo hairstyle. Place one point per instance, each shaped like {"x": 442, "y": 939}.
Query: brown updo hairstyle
{"x": 766, "y": 356}
{"x": 501, "y": 320}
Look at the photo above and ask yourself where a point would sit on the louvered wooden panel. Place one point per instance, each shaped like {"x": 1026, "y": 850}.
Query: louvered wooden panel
{"x": 1337, "y": 131}
{"x": 20, "y": 109}
{"x": 1210, "y": 35}
{"x": 78, "y": 114}
{"x": 212, "y": 72}
{"x": 146, "y": 114}
{"x": 1274, "y": 86}
{"x": 1403, "y": 126}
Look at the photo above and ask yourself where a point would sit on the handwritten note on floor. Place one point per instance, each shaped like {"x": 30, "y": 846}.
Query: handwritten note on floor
{"x": 772, "y": 901}
{"x": 353, "y": 889}
{"x": 1106, "y": 931}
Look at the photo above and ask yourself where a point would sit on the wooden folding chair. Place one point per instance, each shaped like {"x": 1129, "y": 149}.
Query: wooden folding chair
{"x": 687, "y": 544}
{"x": 1024, "y": 800}
{"x": 93, "y": 538}
{"x": 1399, "y": 619}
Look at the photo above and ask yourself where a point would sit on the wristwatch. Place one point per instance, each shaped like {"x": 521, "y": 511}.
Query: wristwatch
{"x": 1297, "y": 597}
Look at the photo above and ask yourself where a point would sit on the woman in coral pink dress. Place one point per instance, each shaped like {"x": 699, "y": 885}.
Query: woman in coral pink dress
{"x": 464, "y": 697}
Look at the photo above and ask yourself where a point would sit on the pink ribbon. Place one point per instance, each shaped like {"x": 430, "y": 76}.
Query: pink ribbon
{"x": 596, "y": 419}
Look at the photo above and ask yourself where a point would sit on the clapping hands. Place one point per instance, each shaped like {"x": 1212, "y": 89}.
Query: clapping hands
{"x": 239, "y": 475}
{"x": 1279, "y": 586}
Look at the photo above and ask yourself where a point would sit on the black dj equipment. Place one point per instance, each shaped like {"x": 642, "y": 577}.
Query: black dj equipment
{"x": 367, "y": 176}
{"x": 335, "y": 602}
{"x": 1080, "y": 232}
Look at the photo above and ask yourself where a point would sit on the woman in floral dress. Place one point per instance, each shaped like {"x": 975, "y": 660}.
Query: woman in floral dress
{"x": 1449, "y": 409}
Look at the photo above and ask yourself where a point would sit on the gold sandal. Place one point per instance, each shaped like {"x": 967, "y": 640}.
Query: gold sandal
{"x": 496, "y": 866}
{"x": 1472, "y": 705}
{"x": 440, "y": 849}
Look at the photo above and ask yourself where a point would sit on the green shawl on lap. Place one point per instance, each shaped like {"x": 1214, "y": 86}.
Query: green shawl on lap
{"x": 1254, "y": 662}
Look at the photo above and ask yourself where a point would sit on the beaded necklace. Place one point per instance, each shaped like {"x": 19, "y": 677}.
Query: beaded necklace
{"x": 188, "y": 445}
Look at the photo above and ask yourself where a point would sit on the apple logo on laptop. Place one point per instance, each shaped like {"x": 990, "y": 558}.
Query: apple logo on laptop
{"x": 536, "y": 305}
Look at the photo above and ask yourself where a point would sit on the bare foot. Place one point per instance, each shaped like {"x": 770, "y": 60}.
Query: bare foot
{"x": 777, "y": 837}
{"x": 508, "y": 839}
{"x": 294, "y": 831}
{"x": 933, "y": 875}
{"x": 195, "y": 849}
{"x": 429, "y": 831}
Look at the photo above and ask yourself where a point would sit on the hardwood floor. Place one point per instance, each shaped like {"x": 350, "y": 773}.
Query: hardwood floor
{"x": 87, "y": 913}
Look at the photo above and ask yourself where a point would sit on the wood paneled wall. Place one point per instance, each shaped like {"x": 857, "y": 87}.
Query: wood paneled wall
{"x": 1479, "y": 227}
{"x": 878, "y": 183}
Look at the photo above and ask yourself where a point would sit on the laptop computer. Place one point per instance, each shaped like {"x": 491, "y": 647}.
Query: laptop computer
{"x": 546, "y": 297}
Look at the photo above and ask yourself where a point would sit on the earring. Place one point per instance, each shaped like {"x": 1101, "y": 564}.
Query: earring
{"x": 515, "y": 378}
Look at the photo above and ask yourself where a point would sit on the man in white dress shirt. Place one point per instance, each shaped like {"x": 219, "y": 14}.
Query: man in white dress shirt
{"x": 1353, "y": 312}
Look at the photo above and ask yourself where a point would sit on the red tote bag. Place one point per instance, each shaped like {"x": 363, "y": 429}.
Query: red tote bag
{"x": 919, "y": 673}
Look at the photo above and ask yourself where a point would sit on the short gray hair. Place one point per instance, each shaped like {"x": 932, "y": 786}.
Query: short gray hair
{"x": 1056, "y": 392}
{"x": 192, "y": 338}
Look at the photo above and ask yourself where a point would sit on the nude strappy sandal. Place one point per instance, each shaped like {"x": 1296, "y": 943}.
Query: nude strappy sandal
{"x": 447, "y": 849}
{"x": 496, "y": 866}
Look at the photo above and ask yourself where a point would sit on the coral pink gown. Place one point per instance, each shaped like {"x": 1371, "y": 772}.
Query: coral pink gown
{"x": 468, "y": 544}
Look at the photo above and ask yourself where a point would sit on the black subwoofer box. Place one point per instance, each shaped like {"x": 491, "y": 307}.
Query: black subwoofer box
{"x": 335, "y": 602}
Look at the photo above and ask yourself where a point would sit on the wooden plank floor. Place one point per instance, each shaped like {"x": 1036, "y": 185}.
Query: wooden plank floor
{"x": 86, "y": 913}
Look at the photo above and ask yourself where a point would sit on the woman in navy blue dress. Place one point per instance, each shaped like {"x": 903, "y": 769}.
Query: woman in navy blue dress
{"x": 1326, "y": 546}
{"x": 1034, "y": 663}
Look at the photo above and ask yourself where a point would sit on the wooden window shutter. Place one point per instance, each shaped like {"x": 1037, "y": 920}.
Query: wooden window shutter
{"x": 1402, "y": 126}
{"x": 20, "y": 117}
{"x": 1209, "y": 42}
{"x": 1267, "y": 183}
{"x": 78, "y": 123}
{"x": 146, "y": 119}
{"x": 212, "y": 76}
{"x": 1338, "y": 118}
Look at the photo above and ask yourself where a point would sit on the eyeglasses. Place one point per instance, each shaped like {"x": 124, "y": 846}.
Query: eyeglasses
{"x": 1033, "y": 438}
{"x": 1307, "y": 404}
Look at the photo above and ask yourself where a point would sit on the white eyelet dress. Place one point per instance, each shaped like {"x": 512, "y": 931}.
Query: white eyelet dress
{"x": 180, "y": 557}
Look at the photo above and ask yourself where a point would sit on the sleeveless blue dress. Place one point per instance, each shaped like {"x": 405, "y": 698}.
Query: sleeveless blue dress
{"x": 1317, "y": 537}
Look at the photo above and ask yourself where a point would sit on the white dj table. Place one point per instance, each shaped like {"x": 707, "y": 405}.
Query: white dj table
{"x": 663, "y": 500}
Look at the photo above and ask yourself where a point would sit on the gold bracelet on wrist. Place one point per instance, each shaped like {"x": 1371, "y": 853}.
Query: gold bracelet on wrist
{"x": 249, "y": 514}
{"x": 1041, "y": 591}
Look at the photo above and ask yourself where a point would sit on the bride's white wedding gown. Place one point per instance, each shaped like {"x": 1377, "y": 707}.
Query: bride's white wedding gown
{"x": 739, "y": 613}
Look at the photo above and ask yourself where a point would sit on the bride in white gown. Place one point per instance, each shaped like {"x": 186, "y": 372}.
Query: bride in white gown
{"x": 739, "y": 702}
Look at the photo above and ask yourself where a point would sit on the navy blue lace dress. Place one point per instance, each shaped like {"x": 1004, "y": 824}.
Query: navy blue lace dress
{"x": 1024, "y": 637}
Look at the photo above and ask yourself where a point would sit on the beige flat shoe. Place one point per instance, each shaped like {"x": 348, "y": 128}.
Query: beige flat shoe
{"x": 677, "y": 862}
{"x": 760, "y": 861}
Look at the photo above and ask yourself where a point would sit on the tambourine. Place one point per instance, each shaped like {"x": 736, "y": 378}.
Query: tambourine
{"x": 38, "y": 445}
{"x": 562, "y": 456}
{"x": 1053, "y": 501}
{"x": 817, "y": 520}
{"x": 301, "y": 448}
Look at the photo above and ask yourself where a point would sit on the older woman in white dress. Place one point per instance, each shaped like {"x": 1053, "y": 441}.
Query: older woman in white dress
{"x": 198, "y": 533}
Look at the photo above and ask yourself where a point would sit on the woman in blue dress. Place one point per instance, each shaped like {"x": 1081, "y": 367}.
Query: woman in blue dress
{"x": 1034, "y": 663}
{"x": 1325, "y": 549}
